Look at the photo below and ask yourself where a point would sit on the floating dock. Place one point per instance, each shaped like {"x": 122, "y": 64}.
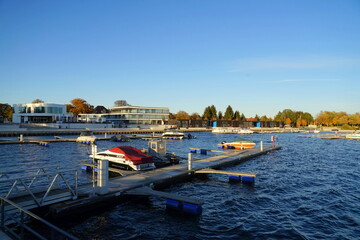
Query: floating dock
{"x": 145, "y": 183}
{"x": 160, "y": 178}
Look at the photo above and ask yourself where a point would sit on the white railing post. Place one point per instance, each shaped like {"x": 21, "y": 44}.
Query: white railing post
{"x": 189, "y": 161}
{"x": 103, "y": 177}
{"x": 261, "y": 146}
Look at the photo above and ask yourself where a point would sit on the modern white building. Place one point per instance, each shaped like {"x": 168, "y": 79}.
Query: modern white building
{"x": 41, "y": 113}
{"x": 129, "y": 115}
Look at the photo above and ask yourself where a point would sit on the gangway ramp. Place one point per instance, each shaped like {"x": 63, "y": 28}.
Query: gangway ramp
{"x": 38, "y": 187}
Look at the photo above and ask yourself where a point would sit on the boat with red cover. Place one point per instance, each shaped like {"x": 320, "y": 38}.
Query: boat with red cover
{"x": 126, "y": 157}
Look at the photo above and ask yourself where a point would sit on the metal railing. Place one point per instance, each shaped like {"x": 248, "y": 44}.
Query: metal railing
{"x": 16, "y": 225}
{"x": 39, "y": 184}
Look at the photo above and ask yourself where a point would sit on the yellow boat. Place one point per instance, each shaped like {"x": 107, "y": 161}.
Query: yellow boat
{"x": 238, "y": 144}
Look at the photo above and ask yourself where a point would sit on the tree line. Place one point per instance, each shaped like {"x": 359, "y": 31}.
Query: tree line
{"x": 287, "y": 116}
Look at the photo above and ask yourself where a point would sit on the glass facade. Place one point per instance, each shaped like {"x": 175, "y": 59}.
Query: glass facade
{"x": 40, "y": 113}
{"x": 138, "y": 115}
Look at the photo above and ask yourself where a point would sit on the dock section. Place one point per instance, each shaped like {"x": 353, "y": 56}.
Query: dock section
{"x": 139, "y": 183}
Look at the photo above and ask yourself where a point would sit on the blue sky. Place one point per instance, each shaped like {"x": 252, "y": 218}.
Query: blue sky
{"x": 260, "y": 57}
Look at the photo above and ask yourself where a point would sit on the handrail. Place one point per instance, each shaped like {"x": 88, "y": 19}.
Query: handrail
{"x": 53, "y": 179}
{"x": 29, "y": 169}
{"x": 23, "y": 226}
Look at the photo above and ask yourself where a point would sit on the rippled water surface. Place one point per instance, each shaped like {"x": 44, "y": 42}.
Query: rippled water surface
{"x": 310, "y": 189}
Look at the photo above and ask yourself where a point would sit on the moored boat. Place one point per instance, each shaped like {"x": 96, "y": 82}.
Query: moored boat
{"x": 355, "y": 135}
{"x": 86, "y": 137}
{"x": 126, "y": 157}
{"x": 245, "y": 131}
{"x": 238, "y": 144}
{"x": 223, "y": 130}
{"x": 175, "y": 135}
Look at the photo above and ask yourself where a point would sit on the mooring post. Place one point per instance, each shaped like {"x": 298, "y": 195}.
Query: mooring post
{"x": 189, "y": 161}
{"x": 261, "y": 146}
{"x": 272, "y": 141}
{"x": 105, "y": 135}
{"x": 103, "y": 177}
{"x": 21, "y": 138}
{"x": 94, "y": 151}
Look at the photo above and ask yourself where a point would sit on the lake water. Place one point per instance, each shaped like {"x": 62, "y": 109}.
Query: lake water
{"x": 310, "y": 189}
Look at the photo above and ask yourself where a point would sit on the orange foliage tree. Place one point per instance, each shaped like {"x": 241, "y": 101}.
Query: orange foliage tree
{"x": 79, "y": 105}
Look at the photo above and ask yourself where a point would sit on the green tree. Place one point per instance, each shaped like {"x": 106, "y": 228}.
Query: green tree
{"x": 229, "y": 113}
{"x": 213, "y": 112}
{"x": 237, "y": 116}
{"x": 207, "y": 114}
{"x": 220, "y": 115}
{"x": 242, "y": 117}
{"x": 257, "y": 118}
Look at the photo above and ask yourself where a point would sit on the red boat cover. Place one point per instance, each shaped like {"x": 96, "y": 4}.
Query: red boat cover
{"x": 133, "y": 154}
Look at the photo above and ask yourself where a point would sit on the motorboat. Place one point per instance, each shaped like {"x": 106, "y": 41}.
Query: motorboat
{"x": 86, "y": 137}
{"x": 119, "y": 138}
{"x": 175, "y": 135}
{"x": 126, "y": 157}
{"x": 223, "y": 130}
{"x": 245, "y": 131}
{"x": 238, "y": 144}
{"x": 355, "y": 135}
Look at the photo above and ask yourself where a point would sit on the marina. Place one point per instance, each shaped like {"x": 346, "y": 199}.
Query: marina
{"x": 217, "y": 175}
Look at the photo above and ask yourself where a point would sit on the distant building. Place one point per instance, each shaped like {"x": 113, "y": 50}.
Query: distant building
{"x": 41, "y": 113}
{"x": 129, "y": 115}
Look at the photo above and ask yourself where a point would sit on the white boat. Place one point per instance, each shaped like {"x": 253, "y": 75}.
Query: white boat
{"x": 126, "y": 157}
{"x": 245, "y": 131}
{"x": 173, "y": 135}
{"x": 86, "y": 137}
{"x": 223, "y": 130}
{"x": 355, "y": 135}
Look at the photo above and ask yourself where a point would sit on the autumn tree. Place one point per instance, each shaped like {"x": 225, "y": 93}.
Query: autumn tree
{"x": 287, "y": 121}
{"x": 354, "y": 119}
{"x": 37, "y": 101}
{"x": 119, "y": 103}
{"x": 172, "y": 116}
{"x": 6, "y": 111}
{"x": 182, "y": 115}
{"x": 195, "y": 116}
{"x": 79, "y": 105}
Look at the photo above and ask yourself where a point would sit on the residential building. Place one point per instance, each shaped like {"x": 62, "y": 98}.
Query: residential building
{"x": 41, "y": 113}
{"x": 130, "y": 115}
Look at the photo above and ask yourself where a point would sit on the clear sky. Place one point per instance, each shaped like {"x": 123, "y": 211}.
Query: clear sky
{"x": 260, "y": 57}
